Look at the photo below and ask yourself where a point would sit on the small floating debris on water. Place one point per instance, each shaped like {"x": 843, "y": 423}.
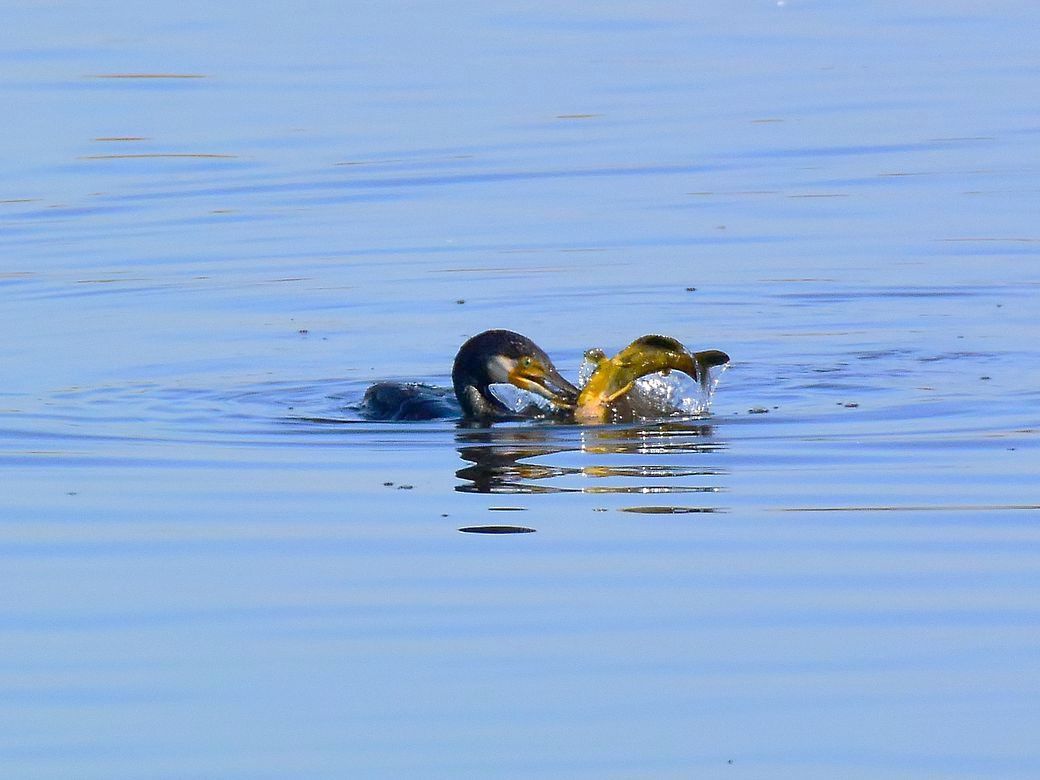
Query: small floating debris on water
{"x": 496, "y": 529}
{"x": 405, "y": 487}
{"x": 388, "y": 484}
{"x": 460, "y": 301}
{"x": 507, "y": 508}
{"x": 851, "y": 405}
{"x": 758, "y": 410}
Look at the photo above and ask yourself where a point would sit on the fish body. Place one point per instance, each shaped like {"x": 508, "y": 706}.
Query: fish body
{"x": 613, "y": 378}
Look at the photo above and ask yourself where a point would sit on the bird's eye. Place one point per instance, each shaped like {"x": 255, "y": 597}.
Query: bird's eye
{"x": 525, "y": 362}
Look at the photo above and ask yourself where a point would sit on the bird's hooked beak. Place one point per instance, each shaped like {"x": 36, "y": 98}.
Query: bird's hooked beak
{"x": 535, "y": 376}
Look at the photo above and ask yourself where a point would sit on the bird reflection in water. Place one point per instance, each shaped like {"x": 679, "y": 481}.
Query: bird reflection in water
{"x": 546, "y": 459}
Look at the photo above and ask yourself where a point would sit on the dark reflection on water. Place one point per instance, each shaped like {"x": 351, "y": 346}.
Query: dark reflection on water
{"x": 497, "y": 456}
{"x": 667, "y": 510}
{"x": 512, "y": 460}
{"x": 497, "y": 529}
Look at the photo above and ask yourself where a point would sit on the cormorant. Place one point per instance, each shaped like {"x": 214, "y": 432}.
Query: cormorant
{"x": 502, "y": 356}
{"x": 489, "y": 358}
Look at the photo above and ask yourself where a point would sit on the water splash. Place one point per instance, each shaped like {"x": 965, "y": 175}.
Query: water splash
{"x": 519, "y": 401}
{"x": 587, "y": 367}
{"x": 664, "y": 394}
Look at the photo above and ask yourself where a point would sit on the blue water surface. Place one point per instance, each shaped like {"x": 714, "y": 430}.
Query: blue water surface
{"x": 219, "y": 223}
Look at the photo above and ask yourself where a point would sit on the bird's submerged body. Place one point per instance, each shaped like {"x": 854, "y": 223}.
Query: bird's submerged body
{"x": 409, "y": 401}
